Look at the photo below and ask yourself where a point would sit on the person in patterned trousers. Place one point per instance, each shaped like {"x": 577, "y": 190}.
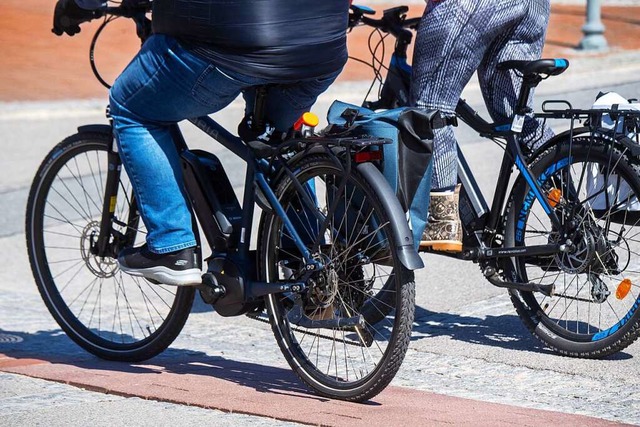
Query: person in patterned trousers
{"x": 455, "y": 39}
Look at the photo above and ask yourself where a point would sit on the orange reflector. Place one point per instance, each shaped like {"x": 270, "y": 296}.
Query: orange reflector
{"x": 307, "y": 119}
{"x": 367, "y": 156}
{"x": 623, "y": 289}
{"x": 554, "y": 197}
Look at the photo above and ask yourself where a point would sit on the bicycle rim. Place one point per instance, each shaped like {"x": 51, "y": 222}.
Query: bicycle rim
{"x": 107, "y": 312}
{"x": 352, "y": 363}
{"x": 594, "y": 309}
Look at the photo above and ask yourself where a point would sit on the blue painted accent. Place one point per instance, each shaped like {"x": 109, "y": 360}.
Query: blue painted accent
{"x": 400, "y": 63}
{"x": 273, "y": 200}
{"x": 503, "y": 128}
{"x": 603, "y": 334}
{"x": 531, "y": 182}
{"x": 561, "y": 63}
{"x": 57, "y": 153}
{"x": 531, "y": 197}
{"x": 364, "y": 9}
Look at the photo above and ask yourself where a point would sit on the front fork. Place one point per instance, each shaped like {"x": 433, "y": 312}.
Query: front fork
{"x": 109, "y": 241}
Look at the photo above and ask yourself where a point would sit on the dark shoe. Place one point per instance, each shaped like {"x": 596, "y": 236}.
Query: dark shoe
{"x": 444, "y": 230}
{"x": 179, "y": 268}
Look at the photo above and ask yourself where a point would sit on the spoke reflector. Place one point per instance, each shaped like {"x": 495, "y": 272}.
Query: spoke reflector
{"x": 623, "y": 289}
{"x": 554, "y": 197}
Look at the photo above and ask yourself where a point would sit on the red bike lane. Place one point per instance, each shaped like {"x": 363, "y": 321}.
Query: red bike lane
{"x": 270, "y": 392}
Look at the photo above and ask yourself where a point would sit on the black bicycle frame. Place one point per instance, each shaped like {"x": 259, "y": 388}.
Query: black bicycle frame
{"x": 241, "y": 255}
{"x": 477, "y": 218}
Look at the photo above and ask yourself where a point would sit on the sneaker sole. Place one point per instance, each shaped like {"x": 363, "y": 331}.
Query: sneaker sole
{"x": 167, "y": 276}
{"x": 444, "y": 245}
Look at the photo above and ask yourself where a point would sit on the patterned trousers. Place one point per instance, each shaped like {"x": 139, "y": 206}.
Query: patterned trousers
{"x": 457, "y": 38}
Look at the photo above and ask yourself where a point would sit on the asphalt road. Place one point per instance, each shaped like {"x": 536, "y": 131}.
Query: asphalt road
{"x": 467, "y": 339}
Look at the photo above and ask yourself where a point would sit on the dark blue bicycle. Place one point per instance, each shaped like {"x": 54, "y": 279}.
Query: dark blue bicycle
{"x": 332, "y": 265}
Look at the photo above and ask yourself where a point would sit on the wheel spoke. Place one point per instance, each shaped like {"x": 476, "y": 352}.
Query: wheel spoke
{"x": 597, "y": 193}
{"x": 110, "y": 313}
{"x": 351, "y": 285}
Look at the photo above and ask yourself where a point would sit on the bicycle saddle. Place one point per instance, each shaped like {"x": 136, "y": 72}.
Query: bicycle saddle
{"x": 550, "y": 67}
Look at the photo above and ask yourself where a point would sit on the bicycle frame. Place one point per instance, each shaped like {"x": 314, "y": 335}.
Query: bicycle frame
{"x": 232, "y": 244}
{"x": 487, "y": 219}
{"x": 241, "y": 255}
{"x": 477, "y": 218}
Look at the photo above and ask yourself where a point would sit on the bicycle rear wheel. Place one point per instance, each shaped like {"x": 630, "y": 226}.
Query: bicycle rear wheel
{"x": 358, "y": 251}
{"x": 595, "y": 189}
{"x": 110, "y": 314}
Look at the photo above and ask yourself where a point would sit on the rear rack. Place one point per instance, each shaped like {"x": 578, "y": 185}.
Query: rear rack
{"x": 617, "y": 125}
{"x": 548, "y": 112}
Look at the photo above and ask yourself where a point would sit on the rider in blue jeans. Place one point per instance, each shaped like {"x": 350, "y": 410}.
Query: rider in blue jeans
{"x": 202, "y": 55}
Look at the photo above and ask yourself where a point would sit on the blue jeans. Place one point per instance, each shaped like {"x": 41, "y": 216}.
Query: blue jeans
{"x": 165, "y": 84}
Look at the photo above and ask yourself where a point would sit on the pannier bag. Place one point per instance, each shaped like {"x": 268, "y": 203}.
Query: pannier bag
{"x": 406, "y": 162}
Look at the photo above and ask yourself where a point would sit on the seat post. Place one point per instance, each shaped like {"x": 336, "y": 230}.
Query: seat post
{"x": 258, "y": 123}
{"x": 528, "y": 83}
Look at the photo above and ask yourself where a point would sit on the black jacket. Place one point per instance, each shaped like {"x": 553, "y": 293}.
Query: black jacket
{"x": 281, "y": 40}
{"x": 274, "y": 39}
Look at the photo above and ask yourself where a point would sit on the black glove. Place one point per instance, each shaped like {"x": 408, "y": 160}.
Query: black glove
{"x": 68, "y": 16}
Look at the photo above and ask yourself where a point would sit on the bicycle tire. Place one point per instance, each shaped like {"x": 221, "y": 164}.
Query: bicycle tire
{"x": 603, "y": 323}
{"x": 88, "y": 296}
{"x": 353, "y": 287}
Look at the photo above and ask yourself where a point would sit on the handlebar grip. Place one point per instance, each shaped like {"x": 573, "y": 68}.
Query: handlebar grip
{"x": 393, "y": 20}
{"x": 128, "y": 8}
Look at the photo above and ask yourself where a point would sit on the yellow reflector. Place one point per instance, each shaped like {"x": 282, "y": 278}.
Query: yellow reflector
{"x": 623, "y": 289}
{"x": 307, "y": 119}
{"x": 310, "y": 119}
{"x": 112, "y": 204}
{"x": 554, "y": 197}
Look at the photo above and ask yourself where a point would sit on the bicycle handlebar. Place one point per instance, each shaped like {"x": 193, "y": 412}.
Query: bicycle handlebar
{"x": 393, "y": 21}
{"x": 128, "y": 8}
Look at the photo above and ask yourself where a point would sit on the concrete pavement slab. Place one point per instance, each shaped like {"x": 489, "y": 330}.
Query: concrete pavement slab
{"x": 28, "y": 402}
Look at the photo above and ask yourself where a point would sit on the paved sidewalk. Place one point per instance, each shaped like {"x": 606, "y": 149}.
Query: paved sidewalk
{"x": 461, "y": 358}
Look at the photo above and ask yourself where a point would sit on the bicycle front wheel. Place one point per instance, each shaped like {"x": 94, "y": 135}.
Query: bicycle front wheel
{"x": 595, "y": 190}
{"x": 110, "y": 314}
{"x": 358, "y": 251}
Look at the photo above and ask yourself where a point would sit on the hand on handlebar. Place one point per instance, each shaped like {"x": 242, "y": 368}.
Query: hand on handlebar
{"x": 68, "y": 16}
